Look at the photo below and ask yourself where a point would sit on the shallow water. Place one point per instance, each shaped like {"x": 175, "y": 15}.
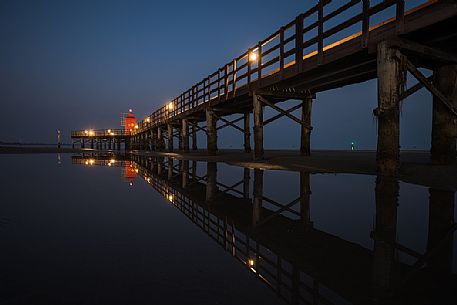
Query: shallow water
{"x": 102, "y": 229}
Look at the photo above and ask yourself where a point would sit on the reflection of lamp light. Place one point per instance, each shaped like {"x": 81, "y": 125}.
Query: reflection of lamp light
{"x": 112, "y": 160}
{"x": 251, "y": 262}
{"x": 136, "y": 170}
{"x": 91, "y": 161}
{"x": 131, "y": 183}
{"x": 170, "y": 198}
{"x": 136, "y": 127}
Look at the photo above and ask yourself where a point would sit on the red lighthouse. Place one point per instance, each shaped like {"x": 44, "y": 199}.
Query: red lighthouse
{"x": 129, "y": 122}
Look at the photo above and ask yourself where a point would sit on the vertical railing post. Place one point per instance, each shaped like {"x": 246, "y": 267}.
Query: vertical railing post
{"x": 400, "y": 16}
{"x": 234, "y": 78}
{"x": 365, "y": 22}
{"x": 320, "y": 32}
{"x": 219, "y": 84}
{"x": 249, "y": 67}
{"x": 259, "y": 64}
{"x": 281, "y": 52}
{"x": 299, "y": 42}
{"x": 226, "y": 81}
{"x": 209, "y": 88}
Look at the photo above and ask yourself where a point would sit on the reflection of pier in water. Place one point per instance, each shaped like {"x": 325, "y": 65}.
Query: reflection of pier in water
{"x": 302, "y": 264}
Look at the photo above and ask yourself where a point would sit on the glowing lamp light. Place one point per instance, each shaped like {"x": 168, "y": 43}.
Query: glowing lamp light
{"x": 130, "y": 110}
{"x": 86, "y": 131}
{"x": 253, "y": 56}
{"x": 112, "y": 133}
{"x": 91, "y": 161}
{"x": 109, "y": 130}
{"x": 136, "y": 170}
{"x": 170, "y": 106}
{"x": 136, "y": 127}
{"x": 148, "y": 120}
{"x": 112, "y": 161}
{"x": 91, "y": 133}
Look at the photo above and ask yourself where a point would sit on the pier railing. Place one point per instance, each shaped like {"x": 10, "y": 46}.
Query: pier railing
{"x": 284, "y": 52}
{"x": 100, "y": 133}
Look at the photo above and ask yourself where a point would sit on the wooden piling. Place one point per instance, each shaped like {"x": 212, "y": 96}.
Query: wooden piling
{"x": 444, "y": 122}
{"x": 305, "y": 143}
{"x": 391, "y": 79}
{"x": 185, "y": 135}
{"x": 194, "y": 136}
{"x": 160, "y": 139}
{"x": 247, "y": 133}
{"x": 258, "y": 127}
{"x": 170, "y": 137}
{"x": 211, "y": 131}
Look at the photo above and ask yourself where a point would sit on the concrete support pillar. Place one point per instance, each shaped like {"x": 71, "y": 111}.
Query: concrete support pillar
{"x": 246, "y": 180}
{"x": 258, "y": 127}
{"x": 444, "y": 123}
{"x": 194, "y": 136}
{"x": 185, "y": 173}
{"x": 305, "y": 145}
{"x": 305, "y": 194}
{"x": 440, "y": 241}
{"x": 211, "y": 132}
{"x": 185, "y": 135}
{"x": 391, "y": 80}
{"x": 211, "y": 178}
{"x": 386, "y": 193}
{"x": 247, "y": 133}
{"x": 257, "y": 196}
{"x": 170, "y": 137}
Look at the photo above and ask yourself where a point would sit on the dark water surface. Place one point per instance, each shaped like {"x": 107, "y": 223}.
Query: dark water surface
{"x": 102, "y": 229}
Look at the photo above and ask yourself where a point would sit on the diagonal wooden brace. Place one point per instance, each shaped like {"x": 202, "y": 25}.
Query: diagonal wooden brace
{"x": 283, "y": 112}
{"x": 427, "y": 84}
{"x": 229, "y": 123}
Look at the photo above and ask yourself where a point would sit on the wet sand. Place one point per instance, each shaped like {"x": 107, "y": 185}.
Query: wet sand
{"x": 415, "y": 168}
{"x": 37, "y": 150}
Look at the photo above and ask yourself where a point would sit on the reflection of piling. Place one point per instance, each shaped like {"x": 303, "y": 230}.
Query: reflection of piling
{"x": 159, "y": 166}
{"x": 246, "y": 178}
{"x": 305, "y": 194}
{"x": 386, "y": 190}
{"x": 185, "y": 173}
{"x": 211, "y": 176}
{"x": 257, "y": 196}
{"x": 170, "y": 168}
{"x": 194, "y": 170}
{"x": 440, "y": 238}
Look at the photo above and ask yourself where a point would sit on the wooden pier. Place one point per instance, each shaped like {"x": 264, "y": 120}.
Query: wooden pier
{"x": 314, "y": 53}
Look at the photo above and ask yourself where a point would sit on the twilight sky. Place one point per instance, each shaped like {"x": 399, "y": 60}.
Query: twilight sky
{"x": 79, "y": 64}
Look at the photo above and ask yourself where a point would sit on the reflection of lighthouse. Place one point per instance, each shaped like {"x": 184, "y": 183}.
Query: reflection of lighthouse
{"x": 130, "y": 172}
